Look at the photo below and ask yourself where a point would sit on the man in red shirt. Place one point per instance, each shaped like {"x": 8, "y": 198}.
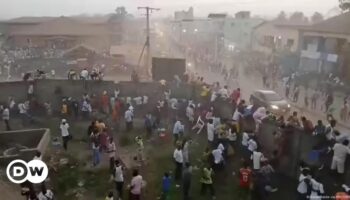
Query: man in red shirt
{"x": 235, "y": 96}
{"x": 105, "y": 102}
{"x": 245, "y": 176}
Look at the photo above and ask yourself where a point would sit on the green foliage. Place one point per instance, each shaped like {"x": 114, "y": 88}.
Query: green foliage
{"x": 126, "y": 140}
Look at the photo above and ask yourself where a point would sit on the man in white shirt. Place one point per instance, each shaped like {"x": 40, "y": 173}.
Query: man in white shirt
{"x": 245, "y": 138}
{"x": 210, "y": 131}
{"x": 218, "y": 158}
{"x": 119, "y": 178}
{"x": 116, "y": 93}
{"x": 178, "y": 157}
{"x": 136, "y": 185}
{"x": 178, "y": 130}
{"x": 213, "y": 96}
{"x": 236, "y": 116}
{"x": 339, "y": 156}
{"x": 304, "y": 184}
{"x": 64, "y": 126}
{"x": 190, "y": 113}
{"x": 86, "y": 109}
{"x": 257, "y": 157}
{"x": 128, "y": 116}
{"x": 30, "y": 91}
{"x": 317, "y": 189}
{"x": 173, "y": 104}
{"x": 330, "y": 129}
{"x": 111, "y": 149}
{"x": 221, "y": 147}
{"x": 84, "y": 74}
{"x": 252, "y": 145}
{"x": 224, "y": 92}
{"x": 6, "y": 117}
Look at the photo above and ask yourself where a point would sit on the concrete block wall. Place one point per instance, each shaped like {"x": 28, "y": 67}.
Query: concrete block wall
{"x": 34, "y": 139}
{"x": 18, "y": 90}
{"x": 45, "y": 90}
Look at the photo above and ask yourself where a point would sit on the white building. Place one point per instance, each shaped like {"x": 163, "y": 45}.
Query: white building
{"x": 273, "y": 36}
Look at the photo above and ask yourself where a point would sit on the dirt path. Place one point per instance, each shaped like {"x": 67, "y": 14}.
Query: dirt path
{"x": 9, "y": 191}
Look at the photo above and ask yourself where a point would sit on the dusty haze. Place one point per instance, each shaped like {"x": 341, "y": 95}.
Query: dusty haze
{"x": 16, "y": 8}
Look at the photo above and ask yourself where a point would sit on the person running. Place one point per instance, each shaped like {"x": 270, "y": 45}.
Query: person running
{"x": 136, "y": 186}
{"x": 185, "y": 150}
{"x": 304, "y": 186}
{"x": 166, "y": 186}
{"x": 186, "y": 181}
{"x": 317, "y": 190}
{"x": 339, "y": 157}
{"x": 129, "y": 118}
{"x": 95, "y": 153}
{"x": 245, "y": 174}
{"x": 210, "y": 132}
{"x": 119, "y": 178}
{"x": 64, "y": 126}
{"x": 111, "y": 149}
{"x": 178, "y": 158}
{"x": 207, "y": 181}
{"x": 178, "y": 130}
{"x": 257, "y": 157}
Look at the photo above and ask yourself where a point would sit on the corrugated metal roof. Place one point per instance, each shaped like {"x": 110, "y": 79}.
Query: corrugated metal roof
{"x": 339, "y": 24}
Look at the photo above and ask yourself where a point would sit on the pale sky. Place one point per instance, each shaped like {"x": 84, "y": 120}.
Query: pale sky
{"x": 16, "y": 8}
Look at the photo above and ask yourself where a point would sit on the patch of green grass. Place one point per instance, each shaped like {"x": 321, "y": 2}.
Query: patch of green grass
{"x": 94, "y": 182}
{"x": 126, "y": 140}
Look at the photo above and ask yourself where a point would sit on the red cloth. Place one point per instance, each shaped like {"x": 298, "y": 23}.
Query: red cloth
{"x": 245, "y": 177}
{"x": 116, "y": 111}
{"x": 103, "y": 140}
{"x": 235, "y": 96}
{"x": 342, "y": 196}
{"x": 105, "y": 100}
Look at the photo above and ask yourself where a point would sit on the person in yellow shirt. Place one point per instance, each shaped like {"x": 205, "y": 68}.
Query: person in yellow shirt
{"x": 205, "y": 91}
{"x": 207, "y": 181}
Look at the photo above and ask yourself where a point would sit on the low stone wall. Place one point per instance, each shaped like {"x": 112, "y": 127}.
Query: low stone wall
{"x": 52, "y": 90}
{"x": 34, "y": 140}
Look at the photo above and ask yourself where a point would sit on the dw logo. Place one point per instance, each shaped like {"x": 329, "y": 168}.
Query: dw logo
{"x": 19, "y": 171}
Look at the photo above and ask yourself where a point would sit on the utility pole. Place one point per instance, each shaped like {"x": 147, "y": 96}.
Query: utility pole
{"x": 148, "y": 42}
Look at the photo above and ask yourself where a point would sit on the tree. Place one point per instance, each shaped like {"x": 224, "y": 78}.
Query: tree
{"x": 282, "y": 16}
{"x": 344, "y": 5}
{"x": 316, "y": 18}
{"x": 120, "y": 15}
{"x": 121, "y": 12}
{"x": 297, "y": 17}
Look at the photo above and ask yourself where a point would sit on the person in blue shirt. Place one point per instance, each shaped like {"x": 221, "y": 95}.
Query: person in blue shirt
{"x": 320, "y": 129}
{"x": 316, "y": 157}
{"x": 166, "y": 185}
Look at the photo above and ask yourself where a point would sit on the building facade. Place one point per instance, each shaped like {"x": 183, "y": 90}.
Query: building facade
{"x": 272, "y": 36}
{"x": 325, "y": 47}
{"x": 63, "y": 32}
